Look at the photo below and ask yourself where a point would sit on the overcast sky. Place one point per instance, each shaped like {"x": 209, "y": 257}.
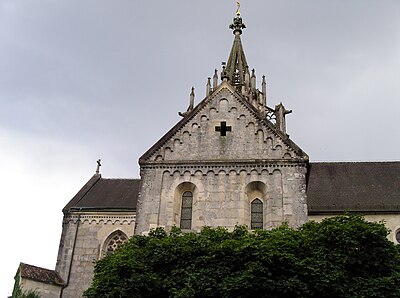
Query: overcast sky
{"x": 88, "y": 79}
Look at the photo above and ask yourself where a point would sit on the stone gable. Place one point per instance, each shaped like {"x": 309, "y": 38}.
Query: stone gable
{"x": 223, "y": 127}
{"x": 226, "y": 155}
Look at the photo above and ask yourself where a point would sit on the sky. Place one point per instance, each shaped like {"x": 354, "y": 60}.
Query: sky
{"x": 83, "y": 80}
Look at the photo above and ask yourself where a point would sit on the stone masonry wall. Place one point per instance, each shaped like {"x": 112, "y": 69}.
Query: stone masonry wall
{"x": 227, "y": 154}
{"x": 222, "y": 195}
{"x": 45, "y": 290}
{"x": 248, "y": 137}
{"x": 91, "y": 231}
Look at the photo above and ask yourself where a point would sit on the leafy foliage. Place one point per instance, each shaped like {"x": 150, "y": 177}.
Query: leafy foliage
{"x": 343, "y": 256}
{"x": 18, "y": 293}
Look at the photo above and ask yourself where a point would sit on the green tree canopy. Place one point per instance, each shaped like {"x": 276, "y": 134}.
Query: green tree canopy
{"x": 343, "y": 256}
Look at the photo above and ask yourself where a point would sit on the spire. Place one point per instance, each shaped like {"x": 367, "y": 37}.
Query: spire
{"x": 208, "y": 87}
{"x": 191, "y": 101}
{"x": 253, "y": 81}
{"x": 237, "y": 63}
{"x": 264, "y": 90}
{"x": 215, "y": 79}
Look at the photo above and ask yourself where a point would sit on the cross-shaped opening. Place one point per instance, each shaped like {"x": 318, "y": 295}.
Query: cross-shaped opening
{"x": 223, "y": 128}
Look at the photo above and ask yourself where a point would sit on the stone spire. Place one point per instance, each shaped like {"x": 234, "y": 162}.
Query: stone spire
{"x": 208, "y": 87}
{"x": 237, "y": 64}
{"x": 264, "y": 90}
{"x": 215, "y": 79}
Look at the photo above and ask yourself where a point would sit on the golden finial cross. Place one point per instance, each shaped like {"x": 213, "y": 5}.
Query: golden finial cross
{"x": 238, "y": 8}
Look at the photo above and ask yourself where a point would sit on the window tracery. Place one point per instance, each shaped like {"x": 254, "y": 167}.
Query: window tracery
{"x": 114, "y": 241}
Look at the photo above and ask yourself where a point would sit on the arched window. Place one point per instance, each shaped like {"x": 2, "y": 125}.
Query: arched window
{"x": 257, "y": 214}
{"x": 114, "y": 241}
{"x": 398, "y": 236}
{"x": 186, "y": 211}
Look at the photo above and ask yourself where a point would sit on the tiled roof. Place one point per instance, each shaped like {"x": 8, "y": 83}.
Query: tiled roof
{"x": 353, "y": 186}
{"x": 99, "y": 193}
{"x": 332, "y": 187}
{"x": 40, "y": 274}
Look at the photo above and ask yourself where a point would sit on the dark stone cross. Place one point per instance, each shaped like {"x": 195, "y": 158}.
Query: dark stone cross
{"x": 98, "y": 166}
{"x": 223, "y": 128}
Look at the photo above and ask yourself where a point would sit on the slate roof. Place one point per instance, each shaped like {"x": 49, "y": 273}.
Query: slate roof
{"x": 332, "y": 187}
{"x": 353, "y": 186}
{"x": 99, "y": 194}
{"x": 40, "y": 274}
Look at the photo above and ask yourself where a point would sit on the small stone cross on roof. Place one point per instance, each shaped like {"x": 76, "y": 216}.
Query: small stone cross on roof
{"x": 98, "y": 166}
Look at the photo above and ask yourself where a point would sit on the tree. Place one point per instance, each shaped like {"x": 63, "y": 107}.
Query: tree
{"x": 343, "y": 256}
{"x": 18, "y": 293}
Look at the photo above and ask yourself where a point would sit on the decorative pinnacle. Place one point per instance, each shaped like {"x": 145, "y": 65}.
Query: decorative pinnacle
{"x": 237, "y": 25}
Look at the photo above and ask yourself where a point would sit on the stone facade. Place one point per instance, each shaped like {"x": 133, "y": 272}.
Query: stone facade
{"x": 224, "y": 172}
{"x": 223, "y": 194}
{"x": 43, "y": 289}
{"x": 84, "y": 239}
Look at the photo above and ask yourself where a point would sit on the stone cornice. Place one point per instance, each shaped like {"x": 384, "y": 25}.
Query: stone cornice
{"x": 89, "y": 218}
{"x": 224, "y": 163}
{"x": 216, "y": 168}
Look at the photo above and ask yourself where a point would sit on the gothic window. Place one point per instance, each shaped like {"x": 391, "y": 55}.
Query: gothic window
{"x": 186, "y": 211}
{"x": 257, "y": 214}
{"x": 398, "y": 236}
{"x": 114, "y": 241}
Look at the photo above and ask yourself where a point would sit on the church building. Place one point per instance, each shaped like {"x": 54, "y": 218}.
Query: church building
{"x": 229, "y": 161}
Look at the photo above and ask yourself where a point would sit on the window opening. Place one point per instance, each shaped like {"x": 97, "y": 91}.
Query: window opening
{"x": 257, "y": 214}
{"x": 186, "y": 211}
{"x": 116, "y": 241}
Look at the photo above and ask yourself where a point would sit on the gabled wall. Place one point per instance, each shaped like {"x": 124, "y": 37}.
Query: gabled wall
{"x": 43, "y": 289}
{"x": 225, "y": 171}
{"x": 82, "y": 239}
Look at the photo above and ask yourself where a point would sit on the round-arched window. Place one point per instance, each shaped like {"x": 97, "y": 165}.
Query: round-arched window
{"x": 186, "y": 211}
{"x": 257, "y": 220}
{"x": 398, "y": 236}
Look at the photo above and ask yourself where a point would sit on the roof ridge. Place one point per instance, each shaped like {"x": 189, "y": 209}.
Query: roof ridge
{"x": 83, "y": 191}
{"x": 51, "y": 275}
